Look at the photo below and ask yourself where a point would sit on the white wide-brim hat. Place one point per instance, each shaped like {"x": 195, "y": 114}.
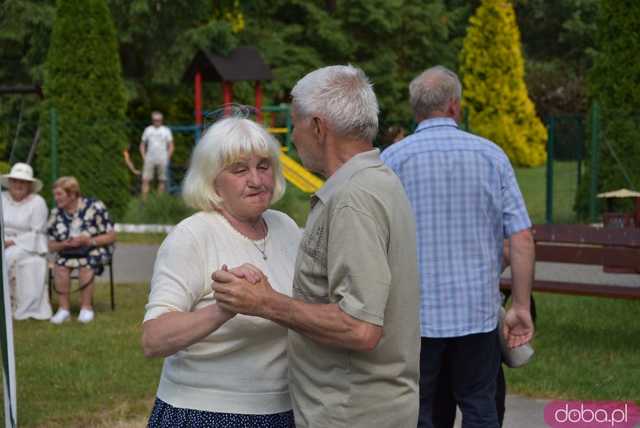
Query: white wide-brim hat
{"x": 21, "y": 171}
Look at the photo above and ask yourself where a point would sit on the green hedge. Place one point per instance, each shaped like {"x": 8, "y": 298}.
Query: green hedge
{"x": 83, "y": 85}
{"x": 615, "y": 85}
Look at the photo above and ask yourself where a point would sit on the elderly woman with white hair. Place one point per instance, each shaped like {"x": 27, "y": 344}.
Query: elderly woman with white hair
{"x": 223, "y": 369}
{"x": 25, "y": 221}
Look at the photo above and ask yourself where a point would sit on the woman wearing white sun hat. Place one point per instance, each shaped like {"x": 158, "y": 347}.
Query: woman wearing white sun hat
{"x": 25, "y": 221}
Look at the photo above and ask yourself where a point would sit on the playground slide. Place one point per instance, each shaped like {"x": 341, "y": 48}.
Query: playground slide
{"x": 297, "y": 175}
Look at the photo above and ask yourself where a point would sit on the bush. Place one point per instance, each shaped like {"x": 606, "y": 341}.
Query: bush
{"x": 495, "y": 93}
{"x": 615, "y": 85}
{"x": 157, "y": 209}
{"x": 83, "y": 86}
{"x": 295, "y": 203}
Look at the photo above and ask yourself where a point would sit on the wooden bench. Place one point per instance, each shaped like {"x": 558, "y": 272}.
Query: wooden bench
{"x": 579, "y": 244}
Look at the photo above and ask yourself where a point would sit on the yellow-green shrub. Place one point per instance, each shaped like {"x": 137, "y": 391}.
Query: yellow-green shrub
{"x": 494, "y": 90}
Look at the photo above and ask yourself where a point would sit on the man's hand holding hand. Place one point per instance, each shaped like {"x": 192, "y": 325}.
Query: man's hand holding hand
{"x": 244, "y": 290}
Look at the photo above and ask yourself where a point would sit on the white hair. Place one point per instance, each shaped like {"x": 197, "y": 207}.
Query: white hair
{"x": 223, "y": 144}
{"x": 432, "y": 90}
{"x": 342, "y": 95}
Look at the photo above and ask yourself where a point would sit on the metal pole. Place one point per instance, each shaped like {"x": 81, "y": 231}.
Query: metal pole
{"x": 549, "y": 190}
{"x": 53, "y": 116}
{"x": 580, "y": 153}
{"x": 6, "y": 338}
{"x": 227, "y": 95}
{"x": 258, "y": 92}
{"x": 595, "y": 156}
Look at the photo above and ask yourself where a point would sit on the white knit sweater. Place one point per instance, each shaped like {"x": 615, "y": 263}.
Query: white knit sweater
{"x": 241, "y": 367}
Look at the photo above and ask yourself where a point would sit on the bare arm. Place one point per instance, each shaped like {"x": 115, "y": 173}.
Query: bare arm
{"x": 129, "y": 163}
{"x": 56, "y": 246}
{"x": 522, "y": 258}
{"x": 105, "y": 238}
{"x": 142, "y": 149}
{"x": 175, "y": 331}
{"x": 324, "y": 323}
{"x": 518, "y": 324}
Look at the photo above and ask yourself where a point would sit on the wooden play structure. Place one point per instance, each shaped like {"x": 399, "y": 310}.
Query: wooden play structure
{"x": 243, "y": 64}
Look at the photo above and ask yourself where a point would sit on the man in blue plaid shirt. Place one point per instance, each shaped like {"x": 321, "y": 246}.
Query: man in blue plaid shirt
{"x": 466, "y": 200}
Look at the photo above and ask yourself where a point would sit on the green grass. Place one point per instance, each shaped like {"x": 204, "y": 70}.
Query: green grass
{"x": 81, "y": 375}
{"x": 587, "y": 348}
{"x": 532, "y": 183}
{"x": 95, "y": 375}
{"x": 141, "y": 238}
{"x": 157, "y": 209}
{"x": 76, "y": 375}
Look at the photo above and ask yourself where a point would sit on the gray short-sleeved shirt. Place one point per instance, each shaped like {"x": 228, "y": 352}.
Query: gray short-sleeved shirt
{"x": 359, "y": 251}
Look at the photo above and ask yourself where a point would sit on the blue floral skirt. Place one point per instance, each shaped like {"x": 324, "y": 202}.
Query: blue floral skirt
{"x": 165, "y": 415}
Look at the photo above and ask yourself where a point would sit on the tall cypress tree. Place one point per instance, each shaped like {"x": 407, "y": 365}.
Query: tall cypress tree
{"x": 615, "y": 86}
{"x": 83, "y": 85}
{"x": 495, "y": 93}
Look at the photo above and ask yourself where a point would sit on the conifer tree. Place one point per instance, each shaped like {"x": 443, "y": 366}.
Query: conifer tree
{"x": 494, "y": 90}
{"x": 83, "y": 85}
{"x": 615, "y": 86}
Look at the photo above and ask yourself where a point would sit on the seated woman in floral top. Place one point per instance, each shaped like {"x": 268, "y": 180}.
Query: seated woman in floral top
{"x": 81, "y": 233}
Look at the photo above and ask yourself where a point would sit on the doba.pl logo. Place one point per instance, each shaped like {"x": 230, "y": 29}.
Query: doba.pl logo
{"x": 592, "y": 414}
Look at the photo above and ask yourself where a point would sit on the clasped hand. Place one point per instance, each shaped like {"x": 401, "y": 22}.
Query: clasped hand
{"x": 242, "y": 290}
{"x": 78, "y": 241}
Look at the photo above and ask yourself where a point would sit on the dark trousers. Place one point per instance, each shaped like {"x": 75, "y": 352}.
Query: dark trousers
{"x": 471, "y": 365}
{"x": 444, "y": 407}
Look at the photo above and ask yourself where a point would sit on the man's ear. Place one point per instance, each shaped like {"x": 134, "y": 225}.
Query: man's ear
{"x": 455, "y": 110}
{"x": 319, "y": 128}
{"x": 317, "y": 124}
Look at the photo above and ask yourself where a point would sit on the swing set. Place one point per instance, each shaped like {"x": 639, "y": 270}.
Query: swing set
{"x": 23, "y": 90}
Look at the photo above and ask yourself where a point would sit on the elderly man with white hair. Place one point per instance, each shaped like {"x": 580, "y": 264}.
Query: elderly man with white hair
{"x": 156, "y": 149}
{"x": 353, "y": 318}
{"x": 466, "y": 201}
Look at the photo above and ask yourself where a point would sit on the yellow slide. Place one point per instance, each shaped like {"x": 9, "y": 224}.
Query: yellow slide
{"x": 297, "y": 175}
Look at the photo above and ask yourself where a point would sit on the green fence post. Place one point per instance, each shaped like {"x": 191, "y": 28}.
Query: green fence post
{"x": 549, "y": 190}
{"x": 595, "y": 157}
{"x": 580, "y": 153}
{"x": 53, "y": 117}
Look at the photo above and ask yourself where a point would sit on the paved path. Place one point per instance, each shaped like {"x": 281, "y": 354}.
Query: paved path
{"x": 133, "y": 263}
{"x": 581, "y": 273}
{"x": 522, "y": 412}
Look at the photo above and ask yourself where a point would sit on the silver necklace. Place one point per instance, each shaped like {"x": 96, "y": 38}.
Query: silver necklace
{"x": 262, "y": 250}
